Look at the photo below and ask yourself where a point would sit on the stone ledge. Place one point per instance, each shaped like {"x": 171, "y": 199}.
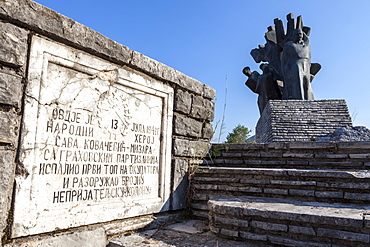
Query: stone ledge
{"x": 323, "y": 173}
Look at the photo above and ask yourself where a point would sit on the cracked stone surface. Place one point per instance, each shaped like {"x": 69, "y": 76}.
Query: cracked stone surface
{"x": 96, "y": 142}
{"x": 192, "y": 233}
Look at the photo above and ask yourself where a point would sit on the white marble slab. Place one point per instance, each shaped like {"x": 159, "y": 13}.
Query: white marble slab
{"x": 95, "y": 140}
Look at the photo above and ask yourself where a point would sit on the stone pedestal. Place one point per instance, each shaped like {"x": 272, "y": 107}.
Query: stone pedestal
{"x": 301, "y": 120}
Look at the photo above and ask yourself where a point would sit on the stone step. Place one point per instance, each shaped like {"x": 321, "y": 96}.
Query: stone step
{"x": 287, "y": 222}
{"x": 306, "y": 155}
{"x": 292, "y": 160}
{"x": 325, "y": 185}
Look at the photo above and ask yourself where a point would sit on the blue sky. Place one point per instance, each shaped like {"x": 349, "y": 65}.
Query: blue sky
{"x": 210, "y": 40}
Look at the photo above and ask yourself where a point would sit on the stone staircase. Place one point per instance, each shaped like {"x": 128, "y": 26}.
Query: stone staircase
{"x": 287, "y": 194}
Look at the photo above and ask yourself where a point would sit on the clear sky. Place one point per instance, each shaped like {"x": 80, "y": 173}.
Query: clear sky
{"x": 210, "y": 40}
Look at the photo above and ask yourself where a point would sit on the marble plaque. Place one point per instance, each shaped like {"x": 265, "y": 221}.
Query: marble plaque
{"x": 95, "y": 142}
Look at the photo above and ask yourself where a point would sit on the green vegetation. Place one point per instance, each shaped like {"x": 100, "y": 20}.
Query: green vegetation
{"x": 239, "y": 134}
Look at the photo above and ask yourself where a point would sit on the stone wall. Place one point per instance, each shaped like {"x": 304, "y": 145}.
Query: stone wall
{"x": 301, "y": 120}
{"x": 23, "y": 24}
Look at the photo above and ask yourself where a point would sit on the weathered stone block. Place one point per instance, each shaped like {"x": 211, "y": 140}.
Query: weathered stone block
{"x": 8, "y": 127}
{"x": 357, "y": 196}
{"x": 228, "y": 232}
{"x": 209, "y": 92}
{"x": 329, "y": 194}
{"x": 10, "y": 89}
{"x": 302, "y": 230}
{"x": 345, "y": 235}
{"x": 188, "y": 148}
{"x": 269, "y": 226}
{"x": 189, "y": 83}
{"x": 181, "y": 147}
{"x": 180, "y": 183}
{"x": 275, "y": 191}
{"x": 207, "y": 132}
{"x": 229, "y": 221}
{"x": 7, "y": 168}
{"x": 182, "y": 101}
{"x": 13, "y": 48}
{"x": 297, "y": 155}
{"x": 202, "y": 108}
{"x": 250, "y": 189}
{"x": 297, "y": 192}
{"x": 187, "y": 126}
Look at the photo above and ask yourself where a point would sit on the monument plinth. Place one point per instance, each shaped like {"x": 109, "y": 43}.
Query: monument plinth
{"x": 301, "y": 120}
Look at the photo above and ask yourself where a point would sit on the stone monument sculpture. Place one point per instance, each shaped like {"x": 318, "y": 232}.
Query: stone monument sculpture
{"x": 288, "y": 56}
{"x": 264, "y": 85}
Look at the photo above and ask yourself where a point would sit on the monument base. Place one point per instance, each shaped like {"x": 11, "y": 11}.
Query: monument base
{"x": 301, "y": 120}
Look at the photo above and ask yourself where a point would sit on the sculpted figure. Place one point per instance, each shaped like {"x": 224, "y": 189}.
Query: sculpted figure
{"x": 264, "y": 85}
{"x": 296, "y": 66}
{"x": 288, "y": 55}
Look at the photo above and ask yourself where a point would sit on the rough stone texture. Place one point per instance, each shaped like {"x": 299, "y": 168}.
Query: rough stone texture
{"x": 93, "y": 238}
{"x": 131, "y": 224}
{"x": 180, "y": 183}
{"x": 187, "y": 126}
{"x": 207, "y": 132}
{"x": 291, "y": 193}
{"x": 182, "y": 101}
{"x": 8, "y": 127}
{"x": 357, "y": 133}
{"x": 13, "y": 49}
{"x": 209, "y": 92}
{"x": 7, "y": 168}
{"x": 301, "y": 120}
{"x": 357, "y": 237}
{"x": 322, "y": 216}
{"x": 192, "y": 233}
{"x": 202, "y": 108}
{"x": 193, "y": 149}
{"x": 10, "y": 89}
